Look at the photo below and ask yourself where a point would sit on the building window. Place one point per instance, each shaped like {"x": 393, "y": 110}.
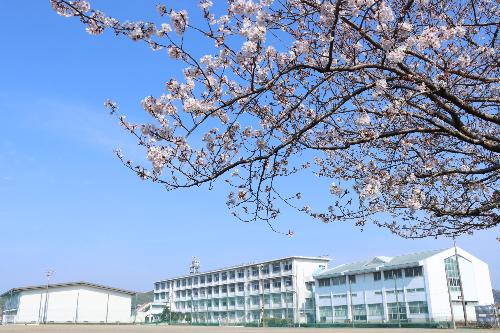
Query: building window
{"x": 265, "y": 269}
{"x": 241, "y": 273}
{"x": 415, "y": 290}
{"x": 255, "y": 285}
{"x": 195, "y": 280}
{"x": 202, "y": 291}
{"x": 255, "y": 300}
{"x": 157, "y": 286}
{"x": 340, "y": 311}
{"x": 163, "y": 285}
{"x": 232, "y": 275}
{"x": 338, "y": 280}
{"x": 232, "y": 301}
{"x": 224, "y": 276}
{"x": 177, "y": 294}
{"x": 216, "y": 277}
{"x": 277, "y": 283}
{"x": 377, "y": 276}
{"x": 392, "y": 311}
{"x": 276, "y": 267}
{"x": 157, "y": 297}
{"x": 267, "y": 284}
{"x": 375, "y": 309}
{"x": 183, "y": 293}
{"x": 413, "y": 271}
{"x": 309, "y": 286}
{"x": 209, "y": 290}
{"x": 359, "y": 312}
{"x": 378, "y": 292}
{"x": 393, "y": 274}
{"x": 340, "y": 296}
{"x": 209, "y": 278}
{"x": 288, "y": 281}
{"x": 451, "y": 269}
{"x": 184, "y": 282}
{"x": 352, "y": 279}
{"x": 267, "y": 299}
{"x": 288, "y": 298}
{"x": 276, "y": 298}
{"x": 216, "y": 289}
{"x": 324, "y": 282}
{"x": 215, "y": 302}
{"x": 241, "y": 287}
{"x": 178, "y": 283}
{"x": 224, "y": 289}
{"x": 255, "y": 271}
{"x": 393, "y": 291}
{"x": 419, "y": 307}
{"x": 288, "y": 266}
{"x": 202, "y": 279}
{"x": 190, "y": 282}
{"x": 232, "y": 287}
{"x": 195, "y": 292}
{"x": 189, "y": 291}
{"x": 325, "y": 312}
{"x": 240, "y": 301}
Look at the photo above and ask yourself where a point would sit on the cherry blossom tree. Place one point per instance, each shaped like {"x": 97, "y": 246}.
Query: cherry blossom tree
{"x": 396, "y": 102}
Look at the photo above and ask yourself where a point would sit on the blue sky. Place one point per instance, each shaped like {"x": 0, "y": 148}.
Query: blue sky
{"x": 66, "y": 203}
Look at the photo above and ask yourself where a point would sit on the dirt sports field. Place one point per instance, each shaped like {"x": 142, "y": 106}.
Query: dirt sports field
{"x": 196, "y": 329}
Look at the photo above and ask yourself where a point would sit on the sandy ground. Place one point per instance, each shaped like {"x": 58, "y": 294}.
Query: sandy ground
{"x": 195, "y": 329}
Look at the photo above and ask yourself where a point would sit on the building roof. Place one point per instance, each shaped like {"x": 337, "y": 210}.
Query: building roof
{"x": 324, "y": 259}
{"x": 378, "y": 263}
{"x": 69, "y": 284}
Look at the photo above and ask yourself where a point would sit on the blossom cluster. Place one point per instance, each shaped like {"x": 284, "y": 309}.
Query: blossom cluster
{"x": 397, "y": 101}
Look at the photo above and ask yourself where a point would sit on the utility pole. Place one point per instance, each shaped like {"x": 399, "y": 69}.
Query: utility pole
{"x": 397, "y": 298}
{"x": 450, "y": 300}
{"x": 464, "y": 306}
{"x": 48, "y": 274}
{"x": 350, "y": 299}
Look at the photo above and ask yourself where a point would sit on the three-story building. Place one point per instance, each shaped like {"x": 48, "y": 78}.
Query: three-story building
{"x": 419, "y": 287}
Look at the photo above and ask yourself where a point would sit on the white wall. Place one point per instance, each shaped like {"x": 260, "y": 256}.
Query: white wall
{"x": 475, "y": 279}
{"x": 74, "y": 304}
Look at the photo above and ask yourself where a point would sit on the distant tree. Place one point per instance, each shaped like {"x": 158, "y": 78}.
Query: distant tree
{"x": 167, "y": 316}
{"x": 395, "y": 101}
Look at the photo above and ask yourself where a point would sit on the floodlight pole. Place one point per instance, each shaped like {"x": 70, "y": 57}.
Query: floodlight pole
{"x": 48, "y": 274}
{"x": 451, "y": 302}
{"x": 464, "y": 306}
{"x": 397, "y": 298}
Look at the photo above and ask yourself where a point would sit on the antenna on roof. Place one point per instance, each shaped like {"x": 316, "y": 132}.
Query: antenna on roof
{"x": 195, "y": 266}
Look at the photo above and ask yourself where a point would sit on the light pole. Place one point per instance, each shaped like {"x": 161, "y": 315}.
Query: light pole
{"x": 261, "y": 285}
{"x": 450, "y": 300}
{"x": 464, "y": 306}
{"x": 48, "y": 274}
{"x": 290, "y": 290}
{"x": 350, "y": 299}
{"x": 397, "y": 299}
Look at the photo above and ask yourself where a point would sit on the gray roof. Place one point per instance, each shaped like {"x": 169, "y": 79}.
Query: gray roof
{"x": 378, "y": 263}
{"x": 69, "y": 284}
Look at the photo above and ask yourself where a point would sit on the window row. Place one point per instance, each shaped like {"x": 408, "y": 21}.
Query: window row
{"x": 377, "y": 276}
{"x": 239, "y": 316}
{"x": 395, "y": 311}
{"x": 275, "y": 299}
{"x": 241, "y": 273}
{"x": 240, "y": 287}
